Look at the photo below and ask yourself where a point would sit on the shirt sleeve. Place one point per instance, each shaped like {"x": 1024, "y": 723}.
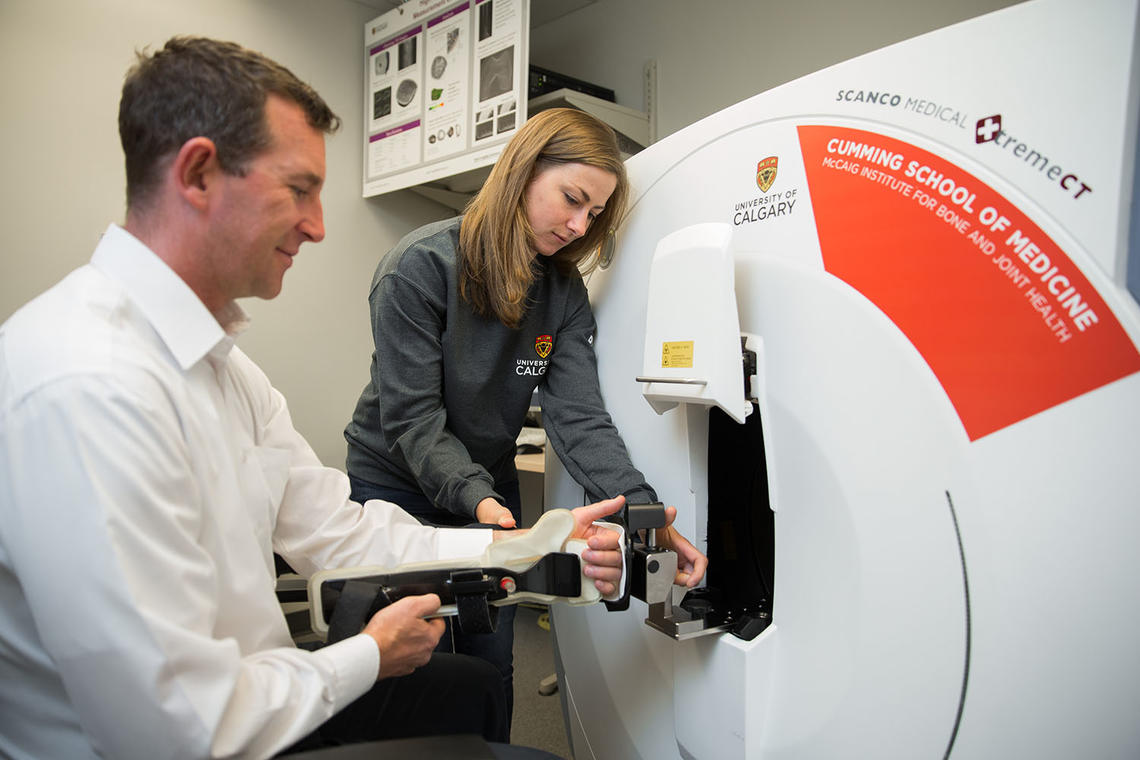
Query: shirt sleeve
{"x": 317, "y": 525}
{"x": 105, "y": 544}
{"x": 574, "y": 415}
{"x": 407, "y": 328}
{"x": 103, "y": 530}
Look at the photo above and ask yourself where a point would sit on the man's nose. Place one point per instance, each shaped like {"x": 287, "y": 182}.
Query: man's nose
{"x": 312, "y": 225}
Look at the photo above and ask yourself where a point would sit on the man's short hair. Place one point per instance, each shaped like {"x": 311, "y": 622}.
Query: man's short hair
{"x": 199, "y": 87}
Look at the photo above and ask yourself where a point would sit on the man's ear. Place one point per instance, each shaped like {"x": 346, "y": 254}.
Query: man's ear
{"x": 195, "y": 169}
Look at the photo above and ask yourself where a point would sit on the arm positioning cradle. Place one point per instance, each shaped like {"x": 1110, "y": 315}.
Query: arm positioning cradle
{"x": 542, "y": 565}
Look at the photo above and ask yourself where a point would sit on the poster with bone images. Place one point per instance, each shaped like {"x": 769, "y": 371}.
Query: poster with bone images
{"x": 445, "y": 88}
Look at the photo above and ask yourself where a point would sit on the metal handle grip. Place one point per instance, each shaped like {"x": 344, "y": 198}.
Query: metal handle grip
{"x": 674, "y": 380}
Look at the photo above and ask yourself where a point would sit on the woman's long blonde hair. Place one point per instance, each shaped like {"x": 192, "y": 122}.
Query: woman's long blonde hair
{"x": 496, "y": 259}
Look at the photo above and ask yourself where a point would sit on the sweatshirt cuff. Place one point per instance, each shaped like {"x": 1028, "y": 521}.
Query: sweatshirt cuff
{"x": 473, "y": 492}
{"x": 640, "y": 496}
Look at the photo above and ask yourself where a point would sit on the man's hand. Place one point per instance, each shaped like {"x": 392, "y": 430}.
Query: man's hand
{"x": 490, "y": 512}
{"x": 603, "y": 557}
{"x": 691, "y": 564}
{"x": 405, "y": 639}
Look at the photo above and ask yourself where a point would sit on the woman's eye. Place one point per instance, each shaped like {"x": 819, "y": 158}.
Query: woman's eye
{"x": 571, "y": 199}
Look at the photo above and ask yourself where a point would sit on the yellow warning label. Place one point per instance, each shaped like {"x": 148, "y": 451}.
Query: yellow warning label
{"x": 678, "y": 353}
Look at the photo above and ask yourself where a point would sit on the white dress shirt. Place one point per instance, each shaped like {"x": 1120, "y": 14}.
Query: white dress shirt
{"x": 148, "y": 471}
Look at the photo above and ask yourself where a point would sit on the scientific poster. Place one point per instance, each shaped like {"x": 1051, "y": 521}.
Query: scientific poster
{"x": 445, "y": 88}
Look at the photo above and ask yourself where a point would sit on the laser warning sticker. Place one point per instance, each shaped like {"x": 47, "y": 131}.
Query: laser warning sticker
{"x": 1007, "y": 322}
{"x": 677, "y": 353}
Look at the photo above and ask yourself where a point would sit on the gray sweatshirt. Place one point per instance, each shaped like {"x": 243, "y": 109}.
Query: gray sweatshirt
{"x": 450, "y": 389}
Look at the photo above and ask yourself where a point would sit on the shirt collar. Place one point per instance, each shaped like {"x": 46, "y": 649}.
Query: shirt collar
{"x": 179, "y": 317}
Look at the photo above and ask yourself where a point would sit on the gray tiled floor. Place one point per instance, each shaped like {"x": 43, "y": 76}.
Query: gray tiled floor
{"x": 538, "y": 720}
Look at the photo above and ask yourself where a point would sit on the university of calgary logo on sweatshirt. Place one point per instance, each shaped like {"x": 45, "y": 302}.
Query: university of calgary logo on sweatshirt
{"x": 536, "y": 368}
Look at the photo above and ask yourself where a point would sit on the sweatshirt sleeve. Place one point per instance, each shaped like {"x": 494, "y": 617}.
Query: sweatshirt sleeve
{"x": 407, "y": 324}
{"x": 574, "y": 415}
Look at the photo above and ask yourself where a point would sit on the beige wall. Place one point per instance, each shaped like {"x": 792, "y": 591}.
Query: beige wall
{"x": 712, "y": 54}
{"x": 63, "y": 65}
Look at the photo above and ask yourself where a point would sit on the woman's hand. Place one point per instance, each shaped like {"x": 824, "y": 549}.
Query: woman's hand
{"x": 603, "y": 558}
{"x": 490, "y": 512}
{"x": 691, "y": 564}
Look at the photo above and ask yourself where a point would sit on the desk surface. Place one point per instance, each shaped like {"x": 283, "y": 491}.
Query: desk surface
{"x": 531, "y": 462}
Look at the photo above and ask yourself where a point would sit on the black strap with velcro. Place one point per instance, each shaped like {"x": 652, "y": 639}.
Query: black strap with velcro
{"x": 353, "y": 607}
{"x": 349, "y": 604}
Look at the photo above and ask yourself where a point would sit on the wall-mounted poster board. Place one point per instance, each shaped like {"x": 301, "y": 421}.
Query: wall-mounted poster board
{"x": 444, "y": 88}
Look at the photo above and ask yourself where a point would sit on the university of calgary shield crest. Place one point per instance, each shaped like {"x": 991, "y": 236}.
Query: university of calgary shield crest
{"x": 766, "y": 173}
{"x": 542, "y": 345}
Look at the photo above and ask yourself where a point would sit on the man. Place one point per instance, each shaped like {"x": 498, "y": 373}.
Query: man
{"x": 148, "y": 469}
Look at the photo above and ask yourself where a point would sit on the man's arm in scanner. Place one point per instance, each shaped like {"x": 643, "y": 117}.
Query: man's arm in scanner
{"x": 569, "y": 556}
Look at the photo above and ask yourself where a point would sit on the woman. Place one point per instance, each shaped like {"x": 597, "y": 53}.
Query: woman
{"x": 469, "y": 316}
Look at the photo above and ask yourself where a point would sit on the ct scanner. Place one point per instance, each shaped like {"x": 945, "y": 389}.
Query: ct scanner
{"x": 929, "y": 476}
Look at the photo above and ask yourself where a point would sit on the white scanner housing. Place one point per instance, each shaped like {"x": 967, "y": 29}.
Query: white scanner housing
{"x": 926, "y": 250}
